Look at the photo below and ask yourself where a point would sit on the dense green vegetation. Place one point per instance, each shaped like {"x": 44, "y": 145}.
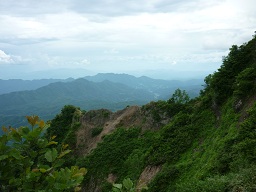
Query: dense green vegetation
{"x": 64, "y": 123}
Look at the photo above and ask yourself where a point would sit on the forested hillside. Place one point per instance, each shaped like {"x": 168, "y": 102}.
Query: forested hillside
{"x": 48, "y": 100}
{"x": 162, "y": 88}
{"x": 180, "y": 144}
{"x": 203, "y": 144}
{"x": 46, "y": 97}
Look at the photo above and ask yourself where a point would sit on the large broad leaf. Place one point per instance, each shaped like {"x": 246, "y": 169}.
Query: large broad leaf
{"x": 128, "y": 184}
{"x": 116, "y": 189}
{"x": 118, "y": 186}
{"x": 51, "y": 155}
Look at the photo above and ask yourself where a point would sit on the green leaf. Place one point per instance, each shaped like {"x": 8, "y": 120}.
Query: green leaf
{"x": 116, "y": 190}
{"x": 46, "y": 167}
{"x": 59, "y": 163}
{"x": 2, "y": 157}
{"x": 83, "y": 170}
{"x": 51, "y": 155}
{"x": 42, "y": 142}
{"x": 34, "y": 134}
{"x": 25, "y": 130}
{"x": 3, "y": 139}
{"x": 15, "y": 154}
{"x": 128, "y": 184}
{"x": 118, "y": 186}
{"x": 16, "y": 136}
{"x": 52, "y": 143}
{"x": 64, "y": 153}
{"x": 43, "y": 170}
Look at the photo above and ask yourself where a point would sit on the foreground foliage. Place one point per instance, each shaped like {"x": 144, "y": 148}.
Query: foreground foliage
{"x": 126, "y": 186}
{"x": 30, "y": 162}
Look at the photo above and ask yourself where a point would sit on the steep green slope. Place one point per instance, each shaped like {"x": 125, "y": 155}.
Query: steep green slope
{"x": 209, "y": 145}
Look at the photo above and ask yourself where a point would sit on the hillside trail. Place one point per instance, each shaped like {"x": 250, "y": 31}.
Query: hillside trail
{"x": 110, "y": 125}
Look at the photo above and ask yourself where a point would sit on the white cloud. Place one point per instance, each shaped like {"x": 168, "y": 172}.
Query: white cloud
{"x": 133, "y": 34}
{"x": 85, "y": 62}
{"x": 111, "y": 51}
{"x": 4, "y": 58}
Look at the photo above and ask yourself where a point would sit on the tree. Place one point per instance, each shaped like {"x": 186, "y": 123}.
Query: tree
{"x": 30, "y": 162}
{"x": 180, "y": 97}
{"x": 61, "y": 124}
{"x": 245, "y": 83}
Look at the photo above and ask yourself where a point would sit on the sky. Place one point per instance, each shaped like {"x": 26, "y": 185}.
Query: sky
{"x": 159, "y": 38}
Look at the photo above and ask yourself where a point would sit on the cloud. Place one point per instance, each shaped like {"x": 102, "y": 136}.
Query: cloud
{"x": 28, "y": 8}
{"x": 111, "y": 51}
{"x": 139, "y": 22}
{"x": 113, "y": 8}
{"x": 85, "y": 62}
{"x": 109, "y": 34}
{"x": 109, "y": 8}
{"x": 12, "y": 59}
{"x": 26, "y": 41}
{"x": 4, "y": 58}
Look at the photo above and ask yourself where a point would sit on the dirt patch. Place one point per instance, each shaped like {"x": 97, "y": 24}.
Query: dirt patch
{"x": 113, "y": 123}
{"x": 146, "y": 176}
{"x": 111, "y": 178}
{"x": 103, "y": 119}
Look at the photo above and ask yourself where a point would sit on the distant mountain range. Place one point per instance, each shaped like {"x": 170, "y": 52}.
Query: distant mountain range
{"x": 12, "y": 85}
{"x": 112, "y": 91}
{"x": 161, "y": 88}
{"x": 157, "y": 86}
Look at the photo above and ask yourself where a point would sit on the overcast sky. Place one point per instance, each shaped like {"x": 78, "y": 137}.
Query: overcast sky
{"x": 140, "y": 37}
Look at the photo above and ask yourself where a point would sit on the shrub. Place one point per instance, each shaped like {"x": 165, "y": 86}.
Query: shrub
{"x": 30, "y": 162}
{"x": 96, "y": 131}
{"x": 245, "y": 83}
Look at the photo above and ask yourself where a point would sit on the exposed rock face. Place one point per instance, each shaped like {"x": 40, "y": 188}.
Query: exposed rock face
{"x": 108, "y": 121}
{"x": 133, "y": 116}
{"x": 92, "y": 119}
